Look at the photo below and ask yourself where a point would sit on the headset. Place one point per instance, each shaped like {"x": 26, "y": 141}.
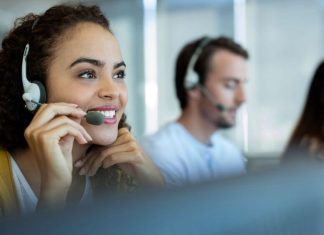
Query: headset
{"x": 34, "y": 92}
{"x": 192, "y": 78}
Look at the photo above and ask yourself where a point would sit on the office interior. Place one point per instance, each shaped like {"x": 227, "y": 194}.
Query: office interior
{"x": 283, "y": 38}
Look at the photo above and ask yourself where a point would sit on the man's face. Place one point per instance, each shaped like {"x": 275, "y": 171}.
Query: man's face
{"x": 225, "y": 82}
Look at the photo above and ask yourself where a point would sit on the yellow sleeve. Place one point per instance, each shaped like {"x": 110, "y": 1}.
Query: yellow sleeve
{"x": 8, "y": 196}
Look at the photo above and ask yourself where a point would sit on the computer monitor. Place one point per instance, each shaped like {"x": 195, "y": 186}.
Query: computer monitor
{"x": 285, "y": 200}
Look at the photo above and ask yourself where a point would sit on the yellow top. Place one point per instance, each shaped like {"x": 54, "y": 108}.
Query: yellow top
{"x": 8, "y": 198}
{"x": 112, "y": 179}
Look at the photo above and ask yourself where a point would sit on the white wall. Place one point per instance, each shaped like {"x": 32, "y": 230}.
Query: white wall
{"x": 285, "y": 40}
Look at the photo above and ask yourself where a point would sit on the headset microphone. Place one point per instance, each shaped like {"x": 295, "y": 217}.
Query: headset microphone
{"x": 95, "y": 118}
{"x": 191, "y": 78}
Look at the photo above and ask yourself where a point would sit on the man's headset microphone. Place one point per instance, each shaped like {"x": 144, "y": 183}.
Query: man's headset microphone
{"x": 192, "y": 78}
{"x": 35, "y": 93}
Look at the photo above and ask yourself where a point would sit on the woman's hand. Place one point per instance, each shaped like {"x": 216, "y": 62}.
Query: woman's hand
{"x": 50, "y": 136}
{"x": 126, "y": 153}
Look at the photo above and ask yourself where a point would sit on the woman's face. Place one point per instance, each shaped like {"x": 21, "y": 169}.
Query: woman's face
{"x": 87, "y": 69}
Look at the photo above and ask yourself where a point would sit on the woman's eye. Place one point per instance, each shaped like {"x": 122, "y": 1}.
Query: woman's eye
{"x": 89, "y": 74}
{"x": 120, "y": 75}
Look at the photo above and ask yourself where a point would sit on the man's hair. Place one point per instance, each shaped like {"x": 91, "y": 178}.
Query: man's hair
{"x": 43, "y": 39}
{"x": 202, "y": 65}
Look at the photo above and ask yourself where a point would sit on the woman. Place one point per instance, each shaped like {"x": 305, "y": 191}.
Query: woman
{"x": 308, "y": 136}
{"x": 49, "y": 153}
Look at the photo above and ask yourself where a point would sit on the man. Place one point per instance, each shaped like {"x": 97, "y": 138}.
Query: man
{"x": 210, "y": 78}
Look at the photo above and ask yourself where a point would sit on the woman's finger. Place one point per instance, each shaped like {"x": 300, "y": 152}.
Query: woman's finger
{"x": 119, "y": 158}
{"x": 79, "y": 163}
{"x": 123, "y": 137}
{"x": 112, "y": 152}
{"x": 49, "y": 111}
{"x": 65, "y": 120}
{"x": 57, "y": 133}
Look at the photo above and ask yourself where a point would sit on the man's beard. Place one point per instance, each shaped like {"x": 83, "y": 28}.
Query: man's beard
{"x": 223, "y": 124}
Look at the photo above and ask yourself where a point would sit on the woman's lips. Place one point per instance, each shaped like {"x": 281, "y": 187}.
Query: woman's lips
{"x": 110, "y": 120}
{"x": 105, "y": 108}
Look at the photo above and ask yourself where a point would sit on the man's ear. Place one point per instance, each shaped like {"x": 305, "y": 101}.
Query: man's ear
{"x": 194, "y": 94}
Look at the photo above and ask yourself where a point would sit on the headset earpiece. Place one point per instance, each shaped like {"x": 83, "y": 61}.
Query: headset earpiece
{"x": 34, "y": 92}
{"x": 42, "y": 90}
{"x": 191, "y": 77}
{"x": 34, "y": 96}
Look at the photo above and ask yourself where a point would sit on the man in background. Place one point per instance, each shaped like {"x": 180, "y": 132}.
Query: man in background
{"x": 210, "y": 78}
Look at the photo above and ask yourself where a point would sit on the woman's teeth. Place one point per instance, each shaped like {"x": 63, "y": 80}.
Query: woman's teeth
{"x": 108, "y": 114}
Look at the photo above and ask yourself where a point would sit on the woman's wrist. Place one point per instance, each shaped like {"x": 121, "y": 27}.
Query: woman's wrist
{"x": 53, "y": 196}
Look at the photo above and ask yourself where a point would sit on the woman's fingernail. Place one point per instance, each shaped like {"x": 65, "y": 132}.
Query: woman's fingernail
{"x": 84, "y": 140}
{"x": 82, "y": 111}
{"x": 78, "y": 163}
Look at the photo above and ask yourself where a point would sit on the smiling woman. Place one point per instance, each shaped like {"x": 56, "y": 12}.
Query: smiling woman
{"x": 48, "y": 155}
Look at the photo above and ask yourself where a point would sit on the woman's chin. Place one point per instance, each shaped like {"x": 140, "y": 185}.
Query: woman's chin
{"x": 104, "y": 140}
{"x": 102, "y": 135}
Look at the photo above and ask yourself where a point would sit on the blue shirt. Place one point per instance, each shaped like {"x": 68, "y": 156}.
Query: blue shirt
{"x": 184, "y": 160}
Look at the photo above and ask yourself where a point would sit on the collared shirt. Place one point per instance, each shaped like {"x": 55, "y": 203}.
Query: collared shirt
{"x": 182, "y": 159}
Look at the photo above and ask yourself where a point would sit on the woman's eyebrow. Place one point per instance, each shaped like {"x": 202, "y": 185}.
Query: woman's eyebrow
{"x": 119, "y": 65}
{"x": 88, "y": 60}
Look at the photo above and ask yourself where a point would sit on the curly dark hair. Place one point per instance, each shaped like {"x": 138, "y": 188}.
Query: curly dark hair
{"x": 203, "y": 61}
{"x": 43, "y": 37}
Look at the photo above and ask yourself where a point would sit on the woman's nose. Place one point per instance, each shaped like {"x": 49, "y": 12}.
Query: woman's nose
{"x": 108, "y": 89}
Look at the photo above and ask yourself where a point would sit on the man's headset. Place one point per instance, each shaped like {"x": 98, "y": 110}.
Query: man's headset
{"x": 192, "y": 78}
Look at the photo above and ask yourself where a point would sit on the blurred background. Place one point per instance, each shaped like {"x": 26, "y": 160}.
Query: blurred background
{"x": 284, "y": 39}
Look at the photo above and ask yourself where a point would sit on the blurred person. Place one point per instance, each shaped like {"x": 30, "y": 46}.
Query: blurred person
{"x": 210, "y": 77}
{"x": 308, "y": 136}
{"x": 49, "y": 150}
